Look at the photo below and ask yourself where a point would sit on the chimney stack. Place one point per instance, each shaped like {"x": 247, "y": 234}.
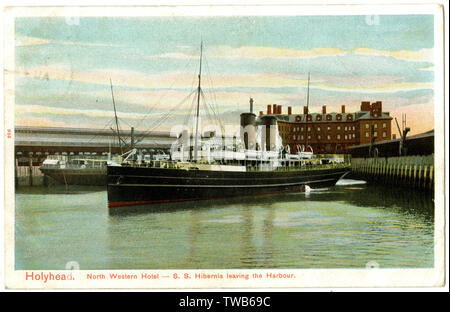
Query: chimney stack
{"x": 261, "y": 113}
{"x": 279, "y": 109}
{"x": 289, "y": 110}
{"x": 251, "y": 105}
{"x": 343, "y": 109}
{"x": 324, "y": 109}
{"x": 269, "y": 109}
{"x": 305, "y": 110}
{"x": 274, "y": 109}
{"x": 365, "y": 106}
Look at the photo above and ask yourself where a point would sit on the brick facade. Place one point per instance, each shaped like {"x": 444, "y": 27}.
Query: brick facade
{"x": 329, "y": 133}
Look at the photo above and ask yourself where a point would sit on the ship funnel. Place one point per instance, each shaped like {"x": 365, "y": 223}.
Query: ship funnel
{"x": 269, "y": 132}
{"x": 248, "y": 128}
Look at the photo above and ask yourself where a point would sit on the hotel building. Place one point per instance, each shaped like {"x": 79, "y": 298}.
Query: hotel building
{"x": 329, "y": 133}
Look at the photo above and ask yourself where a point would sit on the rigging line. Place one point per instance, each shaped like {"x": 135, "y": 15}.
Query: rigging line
{"x": 216, "y": 117}
{"x": 211, "y": 82}
{"x": 107, "y": 124}
{"x": 198, "y": 102}
{"x": 188, "y": 63}
{"x": 121, "y": 139}
{"x": 115, "y": 114}
{"x": 207, "y": 108}
{"x": 191, "y": 108}
{"x": 208, "y": 114}
{"x": 307, "y": 113}
{"x": 215, "y": 106}
{"x": 190, "y": 111}
{"x": 167, "y": 114}
{"x": 162, "y": 119}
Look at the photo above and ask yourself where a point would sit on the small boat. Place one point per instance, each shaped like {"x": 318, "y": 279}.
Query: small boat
{"x": 76, "y": 171}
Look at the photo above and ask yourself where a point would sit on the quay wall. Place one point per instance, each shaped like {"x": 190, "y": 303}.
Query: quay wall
{"x": 416, "y": 172}
{"x": 31, "y": 175}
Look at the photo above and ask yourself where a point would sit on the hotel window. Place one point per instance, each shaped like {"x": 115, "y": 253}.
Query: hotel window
{"x": 318, "y": 137}
{"x": 318, "y": 128}
{"x": 338, "y": 136}
{"x": 301, "y": 129}
{"x": 367, "y": 134}
{"x": 367, "y": 126}
{"x": 302, "y": 137}
{"x": 338, "y": 117}
{"x": 328, "y": 137}
{"x": 375, "y": 134}
{"x": 309, "y": 137}
{"x": 384, "y": 125}
{"x": 354, "y": 136}
{"x": 309, "y": 128}
{"x": 384, "y": 134}
{"x": 353, "y": 127}
{"x": 375, "y": 126}
{"x": 345, "y": 137}
{"x": 338, "y": 127}
{"x": 294, "y": 137}
{"x": 345, "y": 128}
{"x": 328, "y": 128}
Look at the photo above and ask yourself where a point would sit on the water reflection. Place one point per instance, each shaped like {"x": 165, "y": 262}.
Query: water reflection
{"x": 344, "y": 226}
{"x": 408, "y": 201}
{"x": 59, "y": 189}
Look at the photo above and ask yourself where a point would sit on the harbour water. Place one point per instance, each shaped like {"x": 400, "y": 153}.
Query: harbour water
{"x": 347, "y": 226}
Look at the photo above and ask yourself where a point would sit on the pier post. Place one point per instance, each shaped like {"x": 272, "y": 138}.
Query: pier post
{"x": 16, "y": 177}
{"x": 30, "y": 169}
{"x": 425, "y": 177}
{"x": 415, "y": 173}
{"x": 419, "y": 180}
{"x": 431, "y": 177}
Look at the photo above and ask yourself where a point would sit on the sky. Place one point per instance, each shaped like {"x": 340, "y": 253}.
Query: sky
{"x": 64, "y": 68}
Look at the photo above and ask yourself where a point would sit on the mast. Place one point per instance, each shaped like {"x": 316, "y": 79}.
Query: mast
{"x": 198, "y": 103}
{"x": 307, "y": 112}
{"x": 115, "y": 114}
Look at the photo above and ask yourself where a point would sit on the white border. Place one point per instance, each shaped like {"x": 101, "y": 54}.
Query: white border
{"x": 347, "y": 278}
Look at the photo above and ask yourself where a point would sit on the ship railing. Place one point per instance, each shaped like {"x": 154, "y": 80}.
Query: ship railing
{"x": 269, "y": 166}
{"x": 163, "y": 164}
{"x": 309, "y": 166}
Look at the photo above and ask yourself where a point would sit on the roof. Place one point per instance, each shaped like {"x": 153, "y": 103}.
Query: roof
{"x": 355, "y": 116}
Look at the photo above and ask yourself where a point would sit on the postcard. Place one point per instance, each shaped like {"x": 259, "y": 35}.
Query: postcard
{"x": 224, "y": 147}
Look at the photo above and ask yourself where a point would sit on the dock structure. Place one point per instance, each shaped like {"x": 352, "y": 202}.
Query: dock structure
{"x": 32, "y": 145}
{"x": 405, "y": 164}
{"x": 415, "y": 172}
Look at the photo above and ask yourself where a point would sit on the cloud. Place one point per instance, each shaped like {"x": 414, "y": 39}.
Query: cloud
{"x": 184, "y": 82}
{"x": 48, "y": 111}
{"x": 30, "y": 41}
{"x": 422, "y": 55}
{"x": 261, "y": 52}
{"x": 35, "y": 121}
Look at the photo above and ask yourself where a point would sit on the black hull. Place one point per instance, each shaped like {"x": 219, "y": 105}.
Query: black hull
{"x": 91, "y": 177}
{"x": 128, "y": 186}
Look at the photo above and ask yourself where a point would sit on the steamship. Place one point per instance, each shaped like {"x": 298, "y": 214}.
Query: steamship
{"x": 210, "y": 167}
